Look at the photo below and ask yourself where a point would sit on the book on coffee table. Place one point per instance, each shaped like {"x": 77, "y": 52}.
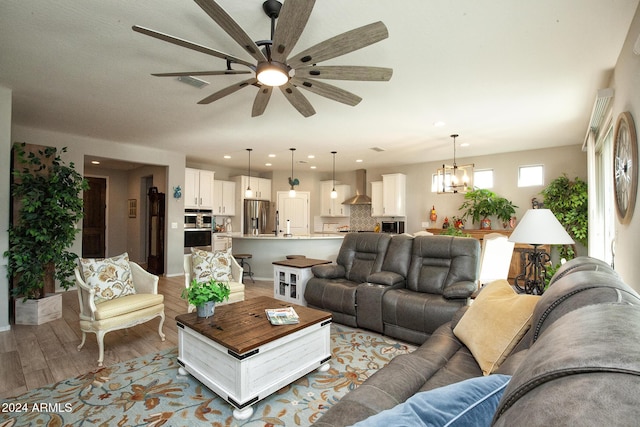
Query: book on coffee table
{"x": 282, "y": 316}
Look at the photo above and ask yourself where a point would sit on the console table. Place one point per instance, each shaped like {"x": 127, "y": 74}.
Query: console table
{"x": 290, "y": 278}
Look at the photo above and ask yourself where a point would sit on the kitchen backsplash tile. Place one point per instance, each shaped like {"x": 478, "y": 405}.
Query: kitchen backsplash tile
{"x": 360, "y": 218}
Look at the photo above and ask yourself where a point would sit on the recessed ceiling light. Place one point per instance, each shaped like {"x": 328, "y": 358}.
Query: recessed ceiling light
{"x": 311, "y": 156}
{"x": 359, "y": 161}
{"x": 312, "y": 167}
{"x": 267, "y": 164}
{"x": 95, "y": 162}
{"x": 439, "y": 123}
{"x": 226, "y": 156}
{"x": 272, "y": 155}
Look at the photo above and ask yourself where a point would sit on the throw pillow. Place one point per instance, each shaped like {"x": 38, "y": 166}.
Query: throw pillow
{"x": 211, "y": 265}
{"x": 472, "y": 402}
{"x": 495, "y": 322}
{"x": 109, "y": 277}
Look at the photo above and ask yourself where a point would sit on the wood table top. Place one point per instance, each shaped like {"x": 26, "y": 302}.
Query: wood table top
{"x": 301, "y": 262}
{"x": 243, "y": 326}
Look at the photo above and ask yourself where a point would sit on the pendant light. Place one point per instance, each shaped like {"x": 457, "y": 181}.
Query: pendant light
{"x": 455, "y": 179}
{"x": 292, "y": 191}
{"x": 248, "y": 192}
{"x": 334, "y": 193}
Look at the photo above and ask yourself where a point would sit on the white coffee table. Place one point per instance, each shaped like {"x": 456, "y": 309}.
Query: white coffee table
{"x": 242, "y": 358}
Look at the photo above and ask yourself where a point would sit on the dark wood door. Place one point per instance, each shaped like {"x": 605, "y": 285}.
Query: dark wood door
{"x": 93, "y": 224}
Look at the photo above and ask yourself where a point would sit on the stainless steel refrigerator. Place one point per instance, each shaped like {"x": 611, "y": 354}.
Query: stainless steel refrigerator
{"x": 256, "y": 215}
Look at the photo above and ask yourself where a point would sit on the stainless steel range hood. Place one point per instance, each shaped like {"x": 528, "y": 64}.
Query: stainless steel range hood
{"x": 361, "y": 197}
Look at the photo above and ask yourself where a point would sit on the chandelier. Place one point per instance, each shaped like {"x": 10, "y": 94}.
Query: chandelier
{"x": 455, "y": 179}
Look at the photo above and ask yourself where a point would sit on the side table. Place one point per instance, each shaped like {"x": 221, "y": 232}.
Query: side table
{"x": 290, "y": 277}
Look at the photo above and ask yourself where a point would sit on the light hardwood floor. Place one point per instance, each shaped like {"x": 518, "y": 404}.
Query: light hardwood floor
{"x": 34, "y": 356}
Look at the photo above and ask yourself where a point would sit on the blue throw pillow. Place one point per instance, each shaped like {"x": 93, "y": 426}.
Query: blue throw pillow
{"x": 471, "y": 402}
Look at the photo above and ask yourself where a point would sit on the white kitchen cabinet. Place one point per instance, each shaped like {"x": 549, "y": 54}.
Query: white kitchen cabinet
{"x": 334, "y": 207}
{"x": 376, "y": 199}
{"x": 261, "y": 187}
{"x": 198, "y": 189}
{"x": 224, "y": 198}
{"x": 221, "y": 243}
{"x": 394, "y": 194}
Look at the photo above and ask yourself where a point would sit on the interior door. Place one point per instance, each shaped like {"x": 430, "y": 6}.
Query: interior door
{"x": 94, "y": 221}
{"x": 296, "y": 210}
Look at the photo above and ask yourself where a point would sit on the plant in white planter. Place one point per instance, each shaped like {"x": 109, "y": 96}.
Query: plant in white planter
{"x": 204, "y": 295}
{"x": 49, "y": 205}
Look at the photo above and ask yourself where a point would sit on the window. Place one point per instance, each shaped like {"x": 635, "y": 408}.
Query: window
{"x": 528, "y": 176}
{"x": 483, "y": 178}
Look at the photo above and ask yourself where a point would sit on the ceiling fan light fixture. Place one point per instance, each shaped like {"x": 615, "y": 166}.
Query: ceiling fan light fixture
{"x": 272, "y": 73}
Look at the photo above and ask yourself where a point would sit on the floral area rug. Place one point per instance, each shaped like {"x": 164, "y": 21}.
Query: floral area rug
{"x": 148, "y": 391}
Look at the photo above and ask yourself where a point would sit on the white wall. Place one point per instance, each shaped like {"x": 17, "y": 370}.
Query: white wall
{"x": 5, "y": 165}
{"x": 626, "y": 83}
{"x": 570, "y": 160}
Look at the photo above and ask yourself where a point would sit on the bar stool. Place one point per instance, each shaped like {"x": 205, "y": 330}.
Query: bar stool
{"x": 246, "y": 267}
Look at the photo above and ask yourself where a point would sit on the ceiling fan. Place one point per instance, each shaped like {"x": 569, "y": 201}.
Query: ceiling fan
{"x": 272, "y": 65}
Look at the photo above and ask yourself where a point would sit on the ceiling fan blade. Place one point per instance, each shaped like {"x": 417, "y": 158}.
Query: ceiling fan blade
{"x": 341, "y": 44}
{"x": 297, "y": 99}
{"x": 346, "y": 72}
{"x": 291, "y": 22}
{"x": 200, "y": 73}
{"x": 261, "y": 101}
{"x": 328, "y": 91}
{"x": 190, "y": 45}
{"x": 231, "y": 27}
{"x": 228, "y": 91}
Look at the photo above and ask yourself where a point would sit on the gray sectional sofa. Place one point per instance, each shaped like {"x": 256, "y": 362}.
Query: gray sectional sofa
{"x": 577, "y": 364}
{"x": 400, "y": 286}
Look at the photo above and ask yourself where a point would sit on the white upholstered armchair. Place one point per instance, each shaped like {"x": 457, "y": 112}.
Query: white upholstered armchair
{"x": 235, "y": 284}
{"x": 101, "y": 316}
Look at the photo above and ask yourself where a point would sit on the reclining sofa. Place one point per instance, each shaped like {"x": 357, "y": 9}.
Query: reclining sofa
{"x": 400, "y": 286}
{"x": 577, "y": 364}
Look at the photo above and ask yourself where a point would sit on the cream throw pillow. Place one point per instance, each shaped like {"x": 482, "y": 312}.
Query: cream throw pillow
{"x": 495, "y": 322}
{"x": 109, "y": 277}
{"x": 211, "y": 265}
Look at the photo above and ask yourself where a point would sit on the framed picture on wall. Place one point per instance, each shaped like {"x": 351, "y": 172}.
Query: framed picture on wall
{"x": 133, "y": 207}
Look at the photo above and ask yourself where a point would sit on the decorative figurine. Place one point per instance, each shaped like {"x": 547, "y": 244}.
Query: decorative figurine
{"x": 177, "y": 192}
{"x": 445, "y": 224}
{"x": 434, "y": 215}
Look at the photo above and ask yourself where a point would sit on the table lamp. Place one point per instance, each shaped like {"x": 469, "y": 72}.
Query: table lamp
{"x": 538, "y": 227}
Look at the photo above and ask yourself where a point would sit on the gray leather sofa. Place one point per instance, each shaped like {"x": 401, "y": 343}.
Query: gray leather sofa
{"x": 400, "y": 286}
{"x": 578, "y": 364}
{"x": 333, "y": 287}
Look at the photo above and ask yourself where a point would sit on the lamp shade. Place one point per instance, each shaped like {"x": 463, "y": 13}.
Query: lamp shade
{"x": 540, "y": 227}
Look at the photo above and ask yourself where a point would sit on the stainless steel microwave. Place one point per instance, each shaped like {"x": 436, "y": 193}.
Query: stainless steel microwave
{"x": 395, "y": 227}
{"x": 198, "y": 219}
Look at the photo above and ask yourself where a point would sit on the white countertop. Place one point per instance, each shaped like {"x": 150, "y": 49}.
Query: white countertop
{"x": 280, "y": 236}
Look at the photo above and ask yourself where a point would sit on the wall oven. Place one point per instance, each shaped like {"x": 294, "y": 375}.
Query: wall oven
{"x": 197, "y": 237}
{"x": 198, "y": 226}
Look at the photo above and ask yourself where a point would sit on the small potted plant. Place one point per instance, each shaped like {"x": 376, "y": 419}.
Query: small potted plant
{"x": 205, "y": 295}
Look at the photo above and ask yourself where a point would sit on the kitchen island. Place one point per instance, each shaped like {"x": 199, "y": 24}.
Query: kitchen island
{"x": 267, "y": 248}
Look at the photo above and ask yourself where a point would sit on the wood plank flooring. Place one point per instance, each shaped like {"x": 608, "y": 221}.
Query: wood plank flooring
{"x": 34, "y": 356}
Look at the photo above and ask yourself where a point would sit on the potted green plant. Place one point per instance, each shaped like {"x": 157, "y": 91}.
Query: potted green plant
{"x": 481, "y": 203}
{"x": 47, "y": 208}
{"x": 204, "y": 295}
{"x": 568, "y": 200}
